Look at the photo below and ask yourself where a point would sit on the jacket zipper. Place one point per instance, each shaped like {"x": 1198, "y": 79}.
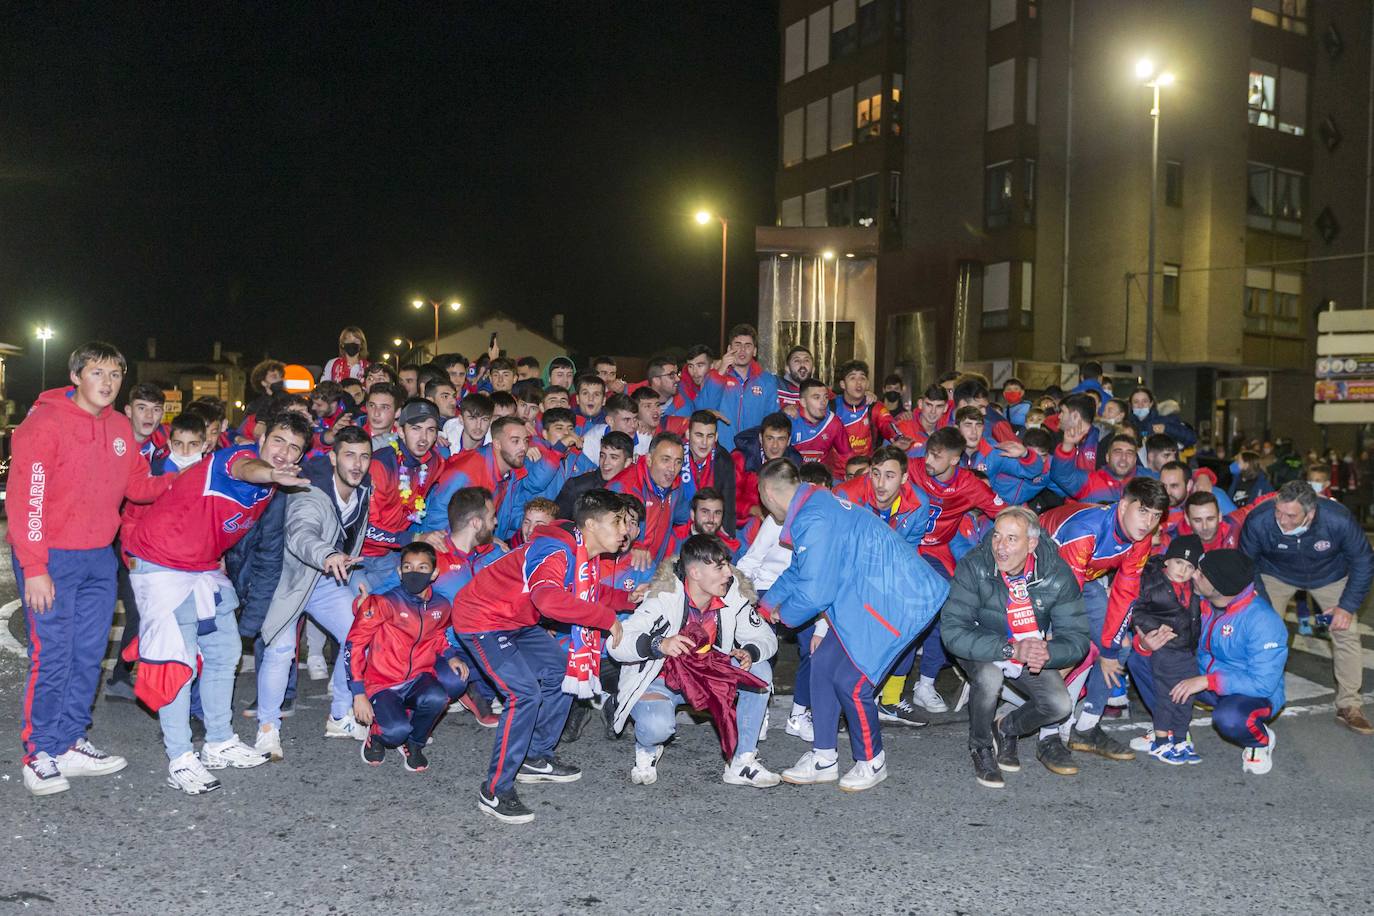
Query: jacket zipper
{"x": 419, "y": 632}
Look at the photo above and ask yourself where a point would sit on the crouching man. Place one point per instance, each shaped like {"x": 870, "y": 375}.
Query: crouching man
{"x": 696, "y": 607}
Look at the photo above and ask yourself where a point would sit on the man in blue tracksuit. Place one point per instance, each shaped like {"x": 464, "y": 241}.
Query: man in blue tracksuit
{"x": 1241, "y": 654}
{"x": 1299, "y": 540}
{"x": 848, "y": 564}
{"x": 741, "y": 392}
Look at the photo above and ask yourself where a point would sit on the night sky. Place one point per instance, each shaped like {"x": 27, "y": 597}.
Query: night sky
{"x": 265, "y": 176}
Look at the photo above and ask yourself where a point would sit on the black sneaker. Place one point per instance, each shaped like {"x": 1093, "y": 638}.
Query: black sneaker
{"x": 902, "y": 712}
{"x": 608, "y": 709}
{"x": 578, "y": 718}
{"x": 374, "y": 752}
{"x": 1007, "y": 759}
{"x": 1096, "y": 741}
{"x": 1056, "y": 758}
{"x": 985, "y": 768}
{"x": 508, "y": 807}
{"x": 550, "y": 770}
{"x": 414, "y": 757}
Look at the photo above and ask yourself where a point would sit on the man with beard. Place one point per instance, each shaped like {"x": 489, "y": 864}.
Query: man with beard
{"x": 708, "y": 516}
{"x": 800, "y": 365}
{"x": 510, "y": 467}
{"x": 1102, "y": 485}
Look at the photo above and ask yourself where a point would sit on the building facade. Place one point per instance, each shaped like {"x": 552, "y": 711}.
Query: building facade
{"x": 1008, "y": 225}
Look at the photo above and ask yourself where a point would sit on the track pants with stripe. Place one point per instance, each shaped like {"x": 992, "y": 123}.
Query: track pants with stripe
{"x": 406, "y": 713}
{"x": 838, "y": 686}
{"x": 527, "y": 666}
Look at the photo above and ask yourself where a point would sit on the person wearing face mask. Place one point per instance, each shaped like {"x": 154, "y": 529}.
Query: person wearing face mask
{"x": 1147, "y": 419}
{"x": 352, "y": 359}
{"x": 392, "y": 650}
{"x": 1299, "y": 540}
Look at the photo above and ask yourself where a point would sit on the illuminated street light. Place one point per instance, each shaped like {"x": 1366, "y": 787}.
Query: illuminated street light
{"x": 703, "y": 217}
{"x": 453, "y": 304}
{"x": 828, "y": 254}
{"x": 1145, "y": 70}
{"x": 45, "y": 334}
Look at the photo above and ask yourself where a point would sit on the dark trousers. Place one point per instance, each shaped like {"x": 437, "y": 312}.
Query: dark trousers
{"x": 1156, "y": 674}
{"x": 66, "y": 646}
{"x": 1237, "y": 718}
{"x": 836, "y": 686}
{"x": 527, "y": 666}
{"x": 1047, "y": 701}
{"x": 122, "y": 670}
{"x": 454, "y": 686}
{"x": 406, "y": 714}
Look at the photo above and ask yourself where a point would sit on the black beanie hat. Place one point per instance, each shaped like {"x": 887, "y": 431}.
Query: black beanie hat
{"x": 1187, "y": 547}
{"x": 1229, "y": 571}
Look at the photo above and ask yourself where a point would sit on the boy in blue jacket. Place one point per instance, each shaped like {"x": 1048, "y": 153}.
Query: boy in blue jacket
{"x": 1242, "y": 654}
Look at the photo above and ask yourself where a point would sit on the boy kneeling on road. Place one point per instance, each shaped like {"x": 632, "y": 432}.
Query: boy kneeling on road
{"x": 392, "y": 650}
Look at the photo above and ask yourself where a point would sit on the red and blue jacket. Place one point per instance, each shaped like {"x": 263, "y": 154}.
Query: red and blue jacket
{"x": 510, "y": 491}
{"x": 912, "y": 429}
{"x": 396, "y": 636}
{"x": 1015, "y": 480}
{"x": 664, "y": 507}
{"x": 1098, "y": 485}
{"x": 867, "y": 425}
{"x": 950, "y": 501}
{"x": 682, "y": 532}
{"x": 457, "y": 568}
{"x": 744, "y": 400}
{"x": 824, "y": 441}
{"x": 1091, "y": 541}
{"x": 1084, "y": 458}
{"x": 389, "y": 518}
{"x": 908, "y": 515}
{"x": 1244, "y": 648}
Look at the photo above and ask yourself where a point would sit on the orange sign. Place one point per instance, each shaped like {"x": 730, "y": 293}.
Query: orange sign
{"x": 298, "y": 379}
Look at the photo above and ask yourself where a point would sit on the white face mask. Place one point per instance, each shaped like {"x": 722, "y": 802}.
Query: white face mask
{"x": 1317, "y": 486}
{"x": 1140, "y": 412}
{"x": 182, "y": 463}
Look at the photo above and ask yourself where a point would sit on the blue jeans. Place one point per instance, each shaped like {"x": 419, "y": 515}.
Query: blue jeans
{"x": 383, "y": 573}
{"x": 331, "y": 606}
{"x": 656, "y": 719}
{"x": 1095, "y": 604}
{"x": 220, "y": 649}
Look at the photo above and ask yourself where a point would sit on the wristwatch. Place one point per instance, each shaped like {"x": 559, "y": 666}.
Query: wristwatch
{"x": 1008, "y": 650}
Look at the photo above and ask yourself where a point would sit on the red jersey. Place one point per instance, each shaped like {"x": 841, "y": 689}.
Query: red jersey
{"x": 824, "y": 441}
{"x": 206, "y": 512}
{"x": 867, "y": 425}
{"x": 663, "y": 506}
{"x": 950, "y": 501}
{"x": 1091, "y": 541}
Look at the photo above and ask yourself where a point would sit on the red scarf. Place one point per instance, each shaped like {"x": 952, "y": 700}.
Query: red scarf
{"x": 583, "y": 676}
{"x": 339, "y": 369}
{"x": 1021, "y": 623}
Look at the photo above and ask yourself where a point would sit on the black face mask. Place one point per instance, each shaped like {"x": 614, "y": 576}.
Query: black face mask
{"x": 415, "y": 582}
{"x": 277, "y": 386}
{"x": 352, "y": 349}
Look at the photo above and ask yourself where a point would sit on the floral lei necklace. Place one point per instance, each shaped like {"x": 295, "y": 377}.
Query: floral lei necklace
{"x": 417, "y": 505}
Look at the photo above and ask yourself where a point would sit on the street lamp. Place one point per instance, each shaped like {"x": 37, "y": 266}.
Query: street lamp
{"x": 703, "y": 217}
{"x": 45, "y": 334}
{"x": 1145, "y": 70}
{"x": 399, "y": 342}
{"x": 453, "y": 304}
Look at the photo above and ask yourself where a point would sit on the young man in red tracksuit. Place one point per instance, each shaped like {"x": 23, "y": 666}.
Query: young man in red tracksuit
{"x": 391, "y": 651}
{"x": 866, "y": 424}
{"x": 656, "y": 479}
{"x": 1100, "y": 485}
{"x": 817, "y": 433}
{"x": 75, "y": 461}
{"x": 557, "y": 576}
{"x": 403, "y": 473}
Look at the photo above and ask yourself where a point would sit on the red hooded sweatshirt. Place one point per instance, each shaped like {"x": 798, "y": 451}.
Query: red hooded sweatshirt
{"x": 69, "y": 474}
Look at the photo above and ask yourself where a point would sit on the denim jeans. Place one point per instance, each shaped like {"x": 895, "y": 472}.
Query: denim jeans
{"x": 383, "y": 573}
{"x": 331, "y": 606}
{"x": 1048, "y": 701}
{"x": 656, "y": 720}
{"x": 1095, "y": 596}
{"x": 220, "y": 650}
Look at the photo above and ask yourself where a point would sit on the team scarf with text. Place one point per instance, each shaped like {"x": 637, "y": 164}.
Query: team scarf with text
{"x": 582, "y": 678}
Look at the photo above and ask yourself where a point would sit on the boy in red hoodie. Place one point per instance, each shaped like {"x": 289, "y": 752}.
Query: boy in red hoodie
{"x": 75, "y": 461}
{"x": 391, "y": 650}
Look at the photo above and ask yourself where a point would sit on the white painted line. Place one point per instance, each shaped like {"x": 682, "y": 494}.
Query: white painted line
{"x": 1300, "y": 688}
{"x": 7, "y": 640}
{"x": 1207, "y": 720}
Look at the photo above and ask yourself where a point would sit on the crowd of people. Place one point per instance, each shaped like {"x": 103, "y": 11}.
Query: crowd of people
{"x": 541, "y": 547}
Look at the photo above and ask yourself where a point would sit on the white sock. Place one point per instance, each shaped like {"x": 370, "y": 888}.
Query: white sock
{"x": 1086, "y": 721}
{"x": 1049, "y": 731}
{"x": 825, "y": 758}
{"x": 798, "y": 710}
{"x": 928, "y": 682}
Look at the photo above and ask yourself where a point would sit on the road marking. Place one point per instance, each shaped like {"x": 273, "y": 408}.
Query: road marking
{"x": 7, "y": 640}
{"x": 1296, "y": 687}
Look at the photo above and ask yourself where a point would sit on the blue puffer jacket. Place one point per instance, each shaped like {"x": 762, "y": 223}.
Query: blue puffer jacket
{"x": 1244, "y": 648}
{"x": 847, "y": 563}
{"x": 1332, "y": 548}
{"x": 1173, "y": 427}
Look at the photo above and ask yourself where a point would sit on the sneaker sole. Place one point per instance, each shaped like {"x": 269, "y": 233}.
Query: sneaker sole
{"x": 1093, "y": 749}
{"x": 220, "y": 763}
{"x": 1058, "y": 770}
{"x": 990, "y": 784}
{"x": 504, "y": 818}
{"x": 638, "y": 780}
{"x": 867, "y": 784}
{"x": 1009, "y": 767}
{"x": 805, "y": 781}
{"x": 48, "y": 787}
{"x": 530, "y": 778}
{"x": 732, "y": 780}
{"x": 203, "y": 790}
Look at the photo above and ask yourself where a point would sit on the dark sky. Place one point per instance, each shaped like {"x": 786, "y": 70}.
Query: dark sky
{"x": 266, "y": 175}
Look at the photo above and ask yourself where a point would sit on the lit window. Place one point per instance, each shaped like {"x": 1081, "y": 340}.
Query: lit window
{"x": 1170, "y": 288}
{"x": 1263, "y": 80}
{"x": 998, "y": 203}
{"x": 868, "y": 108}
{"x": 1289, "y": 15}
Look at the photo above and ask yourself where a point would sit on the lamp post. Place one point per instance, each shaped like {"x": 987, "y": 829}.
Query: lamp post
{"x": 703, "y": 217}
{"x": 1145, "y": 70}
{"x": 399, "y": 342}
{"x": 453, "y": 304}
{"x": 45, "y": 334}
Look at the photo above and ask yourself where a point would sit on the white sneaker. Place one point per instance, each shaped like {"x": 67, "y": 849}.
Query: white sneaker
{"x": 645, "y": 772}
{"x": 42, "y": 777}
{"x": 928, "y": 698}
{"x": 801, "y": 727}
{"x": 1257, "y": 760}
{"x": 745, "y": 770}
{"x": 232, "y": 753}
{"x": 1143, "y": 743}
{"x": 865, "y": 774}
{"x": 809, "y": 770}
{"x": 85, "y": 759}
{"x": 763, "y": 730}
{"x": 189, "y": 775}
{"x": 268, "y": 742}
{"x": 347, "y": 727}
{"x": 315, "y": 666}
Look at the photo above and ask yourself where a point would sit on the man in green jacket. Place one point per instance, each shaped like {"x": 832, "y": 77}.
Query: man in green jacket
{"x": 1015, "y": 614}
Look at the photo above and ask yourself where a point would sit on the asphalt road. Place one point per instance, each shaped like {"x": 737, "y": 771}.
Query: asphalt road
{"x": 322, "y": 833}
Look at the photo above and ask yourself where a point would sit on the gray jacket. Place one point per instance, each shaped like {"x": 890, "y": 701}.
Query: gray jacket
{"x": 312, "y": 534}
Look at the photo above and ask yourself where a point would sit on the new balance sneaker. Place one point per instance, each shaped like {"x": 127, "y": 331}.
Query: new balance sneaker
{"x": 745, "y": 770}
{"x": 1055, "y": 757}
{"x": 373, "y": 751}
{"x": 346, "y": 727}
{"x": 232, "y": 753}
{"x": 927, "y": 697}
{"x": 477, "y": 704}
{"x": 809, "y": 770}
{"x": 1096, "y": 741}
{"x": 985, "y": 768}
{"x": 645, "y": 772}
{"x": 268, "y": 741}
{"x": 902, "y": 713}
{"x": 865, "y": 774}
{"x": 317, "y": 669}
{"x": 42, "y": 777}
{"x": 189, "y": 774}
{"x": 1259, "y": 760}
{"x": 1008, "y": 761}
{"x": 548, "y": 770}
{"x": 85, "y": 759}
{"x": 414, "y": 757}
{"x": 508, "y": 808}
{"x": 801, "y": 727}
